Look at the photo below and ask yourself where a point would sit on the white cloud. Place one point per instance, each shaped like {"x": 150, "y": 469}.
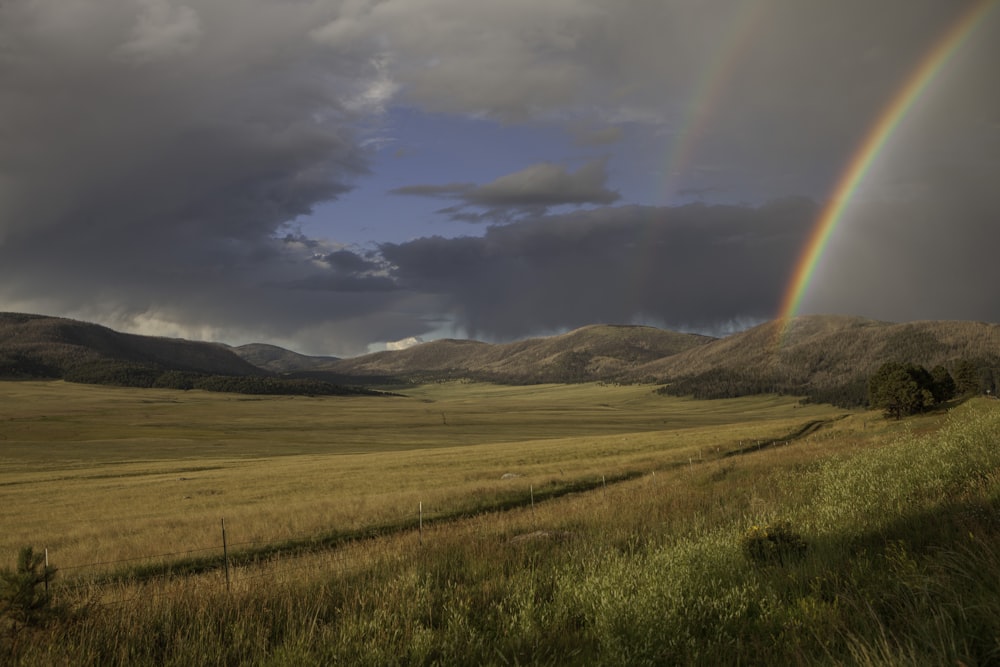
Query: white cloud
{"x": 404, "y": 344}
{"x": 376, "y": 91}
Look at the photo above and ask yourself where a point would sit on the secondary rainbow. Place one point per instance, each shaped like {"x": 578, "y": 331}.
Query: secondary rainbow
{"x": 916, "y": 83}
{"x": 735, "y": 36}
{"x": 734, "y": 40}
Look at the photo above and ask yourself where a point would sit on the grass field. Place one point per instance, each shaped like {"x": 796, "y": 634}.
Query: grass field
{"x": 97, "y": 474}
{"x": 862, "y": 541}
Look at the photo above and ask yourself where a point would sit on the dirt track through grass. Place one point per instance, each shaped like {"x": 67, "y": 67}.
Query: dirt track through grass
{"x": 98, "y": 473}
{"x": 897, "y": 518}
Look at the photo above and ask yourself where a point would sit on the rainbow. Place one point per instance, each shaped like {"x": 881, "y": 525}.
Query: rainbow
{"x": 736, "y": 38}
{"x": 874, "y": 141}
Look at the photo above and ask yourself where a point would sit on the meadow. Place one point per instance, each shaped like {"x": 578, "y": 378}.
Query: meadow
{"x": 661, "y": 532}
{"x": 97, "y": 474}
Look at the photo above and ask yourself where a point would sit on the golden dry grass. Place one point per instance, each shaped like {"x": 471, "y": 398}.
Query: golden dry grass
{"x": 898, "y": 519}
{"x": 100, "y": 474}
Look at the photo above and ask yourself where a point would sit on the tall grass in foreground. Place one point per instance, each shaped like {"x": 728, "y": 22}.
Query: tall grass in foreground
{"x": 901, "y": 566}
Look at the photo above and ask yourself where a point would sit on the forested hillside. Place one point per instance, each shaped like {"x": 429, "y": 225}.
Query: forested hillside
{"x": 826, "y": 358}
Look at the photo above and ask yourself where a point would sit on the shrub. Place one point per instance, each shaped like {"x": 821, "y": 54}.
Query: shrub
{"x": 773, "y": 543}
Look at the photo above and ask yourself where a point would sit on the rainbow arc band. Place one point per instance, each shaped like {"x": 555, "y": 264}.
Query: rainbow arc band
{"x": 930, "y": 65}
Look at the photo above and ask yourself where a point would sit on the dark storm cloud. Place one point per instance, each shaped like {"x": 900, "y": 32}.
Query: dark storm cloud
{"x": 692, "y": 266}
{"x": 341, "y": 283}
{"x": 349, "y": 272}
{"x": 135, "y": 115}
{"x": 913, "y": 258}
{"x": 532, "y": 189}
{"x": 152, "y": 153}
{"x": 350, "y": 262}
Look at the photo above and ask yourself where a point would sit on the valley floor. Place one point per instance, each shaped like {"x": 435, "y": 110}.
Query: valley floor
{"x": 474, "y": 524}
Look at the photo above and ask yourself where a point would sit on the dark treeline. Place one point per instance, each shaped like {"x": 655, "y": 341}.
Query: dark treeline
{"x": 275, "y": 386}
{"x": 15, "y": 366}
{"x": 125, "y": 374}
{"x": 724, "y": 383}
{"x": 971, "y": 376}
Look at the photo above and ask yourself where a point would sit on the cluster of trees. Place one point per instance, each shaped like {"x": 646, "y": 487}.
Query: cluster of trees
{"x": 274, "y": 386}
{"x": 898, "y": 388}
{"x": 15, "y": 366}
{"x": 905, "y": 389}
{"x": 117, "y": 373}
{"x": 727, "y": 383}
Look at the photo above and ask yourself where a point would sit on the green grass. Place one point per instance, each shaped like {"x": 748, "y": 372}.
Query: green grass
{"x": 901, "y": 558}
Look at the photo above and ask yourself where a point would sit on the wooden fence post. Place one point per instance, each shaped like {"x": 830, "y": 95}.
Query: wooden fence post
{"x": 531, "y": 492}
{"x": 225, "y": 554}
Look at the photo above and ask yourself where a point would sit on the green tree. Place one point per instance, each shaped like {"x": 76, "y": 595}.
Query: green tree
{"x": 924, "y": 380}
{"x": 24, "y": 596}
{"x": 899, "y": 390}
{"x": 943, "y": 386}
{"x": 966, "y": 378}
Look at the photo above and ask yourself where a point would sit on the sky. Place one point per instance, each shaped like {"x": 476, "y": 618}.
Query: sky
{"x": 333, "y": 176}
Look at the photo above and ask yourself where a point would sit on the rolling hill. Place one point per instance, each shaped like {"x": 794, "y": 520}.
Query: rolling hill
{"x": 37, "y": 346}
{"x": 825, "y": 358}
{"x": 597, "y": 352}
{"x": 278, "y": 359}
{"x": 828, "y": 358}
{"x": 55, "y": 347}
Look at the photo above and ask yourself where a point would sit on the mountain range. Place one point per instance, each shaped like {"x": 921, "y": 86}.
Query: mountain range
{"x": 824, "y": 357}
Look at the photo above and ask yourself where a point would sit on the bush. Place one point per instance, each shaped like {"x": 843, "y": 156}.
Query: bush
{"x": 774, "y": 543}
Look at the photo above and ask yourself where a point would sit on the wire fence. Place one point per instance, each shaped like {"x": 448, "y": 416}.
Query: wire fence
{"x": 224, "y": 565}
{"x": 101, "y": 580}
{"x": 252, "y": 560}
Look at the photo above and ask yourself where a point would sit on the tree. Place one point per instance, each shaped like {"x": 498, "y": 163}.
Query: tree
{"x": 924, "y": 380}
{"x": 900, "y": 390}
{"x": 966, "y": 378}
{"x": 943, "y": 385}
{"x": 24, "y": 596}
